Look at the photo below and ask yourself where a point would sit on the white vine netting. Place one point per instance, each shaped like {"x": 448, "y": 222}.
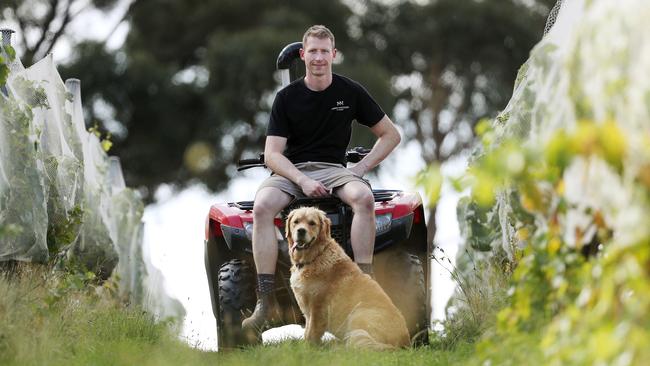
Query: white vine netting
{"x": 61, "y": 196}
{"x": 590, "y": 64}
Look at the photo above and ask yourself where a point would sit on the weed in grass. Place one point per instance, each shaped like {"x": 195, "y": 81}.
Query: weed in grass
{"x": 481, "y": 293}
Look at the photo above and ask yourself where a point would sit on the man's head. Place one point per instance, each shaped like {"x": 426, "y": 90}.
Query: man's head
{"x": 318, "y": 50}
{"x": 318, "y": 31}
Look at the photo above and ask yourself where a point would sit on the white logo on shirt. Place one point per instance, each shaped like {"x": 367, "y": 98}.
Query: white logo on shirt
{"x": 340, "y": 106}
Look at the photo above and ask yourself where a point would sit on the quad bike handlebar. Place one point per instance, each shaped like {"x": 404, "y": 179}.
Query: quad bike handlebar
{"x": 353, "y": 155}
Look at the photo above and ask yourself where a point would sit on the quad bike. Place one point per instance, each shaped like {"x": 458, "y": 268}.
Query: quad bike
{"x": 401, "y": 263}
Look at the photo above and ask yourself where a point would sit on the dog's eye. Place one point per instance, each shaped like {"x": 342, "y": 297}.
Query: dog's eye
{"x": 296, "y": 221}
{"x": 312, "y": 223}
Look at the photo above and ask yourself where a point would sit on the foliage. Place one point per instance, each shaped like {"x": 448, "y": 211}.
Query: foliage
{"x": 455, "y": 67}
{"x": 560, "y": 187}
{"x": 72, "y": 277}
{"x": 194, "y": 74}
{"x": 430, "y": 179}
{"x": 9, "y": 231}
{"x": 584, "y": 286}
{"x": 472, "y": 311}
{"x": 478, "y": 225}
{"x": 106, "y": 141}
{"x": 7, "y": 54}
{"x": 57, "y": 201}
{"x": 23, "y": 205}
{"x": 4, "y": 71}
{"x": 62, "y": 235}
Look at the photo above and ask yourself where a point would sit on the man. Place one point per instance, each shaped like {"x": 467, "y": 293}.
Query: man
{"x": 307, "y": 137}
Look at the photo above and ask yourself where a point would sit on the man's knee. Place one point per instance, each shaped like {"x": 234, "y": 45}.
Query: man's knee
{"x": 268, "y": 203}
{"x": 362, "y": 199}
{"x": 264, "y": 210}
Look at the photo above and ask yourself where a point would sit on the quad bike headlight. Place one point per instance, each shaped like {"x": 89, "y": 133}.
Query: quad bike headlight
{"x": 248, "y": 226}
{"x": 382, "y": 223}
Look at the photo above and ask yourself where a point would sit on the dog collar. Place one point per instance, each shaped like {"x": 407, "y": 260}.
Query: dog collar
{"x": 300, "y": 265}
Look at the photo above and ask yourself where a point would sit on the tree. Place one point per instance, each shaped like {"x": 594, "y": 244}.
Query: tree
{"x": 190, "y": 92}
{"x": 40, "y": 24}
{"x": 453, "y": 62}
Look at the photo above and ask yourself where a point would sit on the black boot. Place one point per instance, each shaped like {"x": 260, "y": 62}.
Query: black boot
{"x": 266, "y": 315}
{"x": 367, "y": 269}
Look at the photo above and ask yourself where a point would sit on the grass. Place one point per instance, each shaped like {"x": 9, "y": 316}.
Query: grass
{"x": 298, "y": 353}
{"x": 47, "y": 320}
{"x": 481, "y": 293}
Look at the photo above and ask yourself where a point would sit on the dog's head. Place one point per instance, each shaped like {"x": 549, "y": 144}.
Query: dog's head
{"x": 305, "y": 226}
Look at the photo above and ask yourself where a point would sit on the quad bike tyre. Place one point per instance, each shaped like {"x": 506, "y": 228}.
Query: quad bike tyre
{"x": 402, "y": 275}
{"x": 236, "y": 285}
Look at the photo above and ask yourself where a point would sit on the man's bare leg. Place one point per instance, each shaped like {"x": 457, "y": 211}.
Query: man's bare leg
{"x": 268, "y": 202}
{"x": 362, "y": 235}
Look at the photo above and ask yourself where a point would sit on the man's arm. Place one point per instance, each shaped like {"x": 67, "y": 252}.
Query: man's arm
{"x": 387, "y": 139}
{"x": 279, "y": 164}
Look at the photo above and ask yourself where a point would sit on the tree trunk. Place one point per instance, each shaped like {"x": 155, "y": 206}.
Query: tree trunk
{"x": 431, "y": 225}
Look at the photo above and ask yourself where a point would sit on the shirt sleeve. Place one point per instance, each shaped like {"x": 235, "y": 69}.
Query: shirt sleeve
{"x": 368, "y": 111}
{"x": 278, "y": 122}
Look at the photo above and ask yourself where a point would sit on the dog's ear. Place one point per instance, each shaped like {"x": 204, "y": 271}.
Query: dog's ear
{"x": 287, "y": 229}
{"x": 325, "y": 226}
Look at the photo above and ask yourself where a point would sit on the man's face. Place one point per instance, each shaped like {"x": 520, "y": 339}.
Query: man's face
{"x": 318, "y": 55}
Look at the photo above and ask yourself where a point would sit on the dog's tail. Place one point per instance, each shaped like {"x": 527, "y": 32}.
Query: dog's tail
{"x": 359, "y": 338}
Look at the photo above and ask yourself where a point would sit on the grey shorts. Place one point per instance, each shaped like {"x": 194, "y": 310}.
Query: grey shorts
{"x": 332, "y": 176}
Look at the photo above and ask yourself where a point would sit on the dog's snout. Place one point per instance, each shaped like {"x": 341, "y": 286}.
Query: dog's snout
{"x": 301, "y": 232}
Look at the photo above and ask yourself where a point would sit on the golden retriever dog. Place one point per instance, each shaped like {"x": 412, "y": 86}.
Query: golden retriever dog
{"x": 333, "y": 293}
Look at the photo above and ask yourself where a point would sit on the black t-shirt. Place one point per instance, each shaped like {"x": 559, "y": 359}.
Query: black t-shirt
{"x": 318, "y": 124}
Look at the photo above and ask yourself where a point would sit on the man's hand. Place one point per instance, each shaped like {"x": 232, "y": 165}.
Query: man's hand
{"x": 387, "y": 139}
{"x": 312, "y": 188}
{"x": 280, "y": 165}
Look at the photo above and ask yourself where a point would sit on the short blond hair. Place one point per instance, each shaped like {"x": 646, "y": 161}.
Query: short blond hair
{"x": 318, "y": 31}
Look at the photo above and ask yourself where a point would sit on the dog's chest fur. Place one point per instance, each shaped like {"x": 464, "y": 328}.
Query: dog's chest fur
{"x": 296, "y": 281}
{"x": 304, "y": 281}
{"x": 307, "y": 280}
